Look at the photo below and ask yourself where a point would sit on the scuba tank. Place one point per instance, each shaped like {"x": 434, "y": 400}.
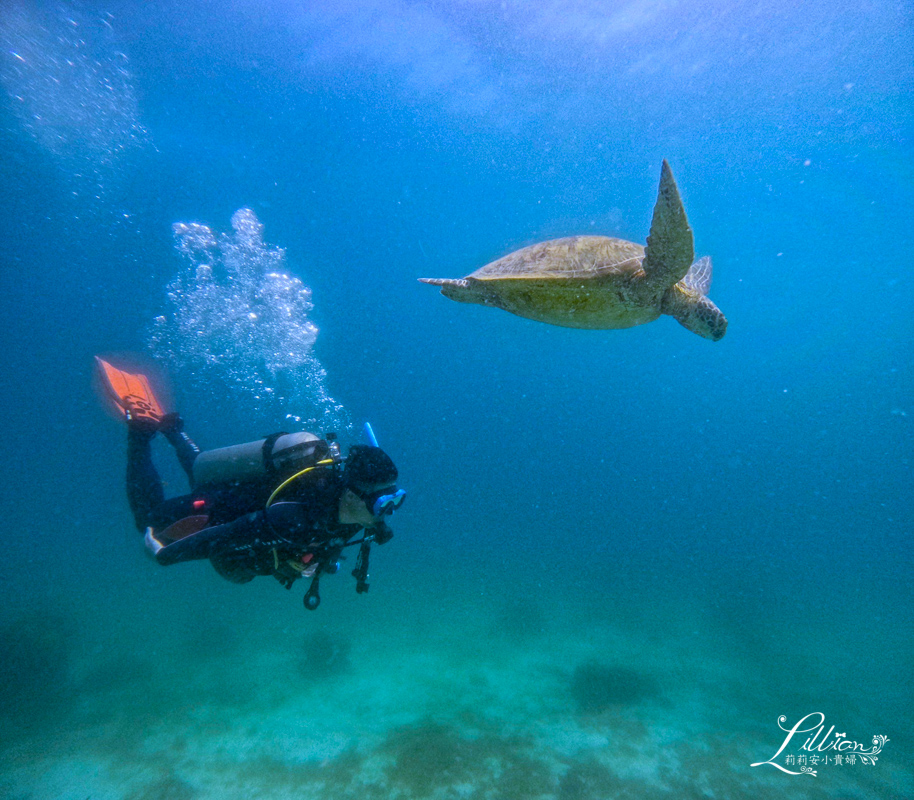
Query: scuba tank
{"x": 274, "y": 458}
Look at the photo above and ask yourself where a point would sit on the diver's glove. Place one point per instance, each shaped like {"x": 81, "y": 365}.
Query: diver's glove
{"x": 382, "y": 533}
{"x": 288, "y": 571}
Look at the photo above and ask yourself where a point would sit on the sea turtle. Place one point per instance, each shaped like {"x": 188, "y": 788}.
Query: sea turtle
{"x": 600, "y": 282}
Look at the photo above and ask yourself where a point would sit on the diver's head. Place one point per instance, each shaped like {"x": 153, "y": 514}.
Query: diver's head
{"x": 370, "y": 490}
{"x": 367, "y": 466}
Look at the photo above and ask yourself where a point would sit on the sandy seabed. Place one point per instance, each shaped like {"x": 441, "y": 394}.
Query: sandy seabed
{"x": 497, "y": 700}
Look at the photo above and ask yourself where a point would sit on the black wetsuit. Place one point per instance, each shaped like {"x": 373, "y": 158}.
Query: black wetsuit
{"x": 242, "y": 539}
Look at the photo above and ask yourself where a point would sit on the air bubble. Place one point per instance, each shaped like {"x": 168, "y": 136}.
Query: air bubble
{"x": 238, "y": 322}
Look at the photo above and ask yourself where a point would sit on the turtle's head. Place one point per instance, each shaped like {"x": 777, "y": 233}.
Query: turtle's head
{"x": 463, "y": 290}
{"x": 695, "y": 312}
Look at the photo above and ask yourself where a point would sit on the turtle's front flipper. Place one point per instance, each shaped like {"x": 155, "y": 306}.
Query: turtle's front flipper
{"x": 670, "y": 246}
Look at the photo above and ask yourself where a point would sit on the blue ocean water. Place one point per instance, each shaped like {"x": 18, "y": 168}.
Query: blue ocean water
{"x": 625, "y": 554}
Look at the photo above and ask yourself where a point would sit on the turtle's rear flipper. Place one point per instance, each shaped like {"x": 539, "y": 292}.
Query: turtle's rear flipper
{"x": 698, "y": 278}
{"x": 687, "y": 301}
{"x": 670, "y": 246}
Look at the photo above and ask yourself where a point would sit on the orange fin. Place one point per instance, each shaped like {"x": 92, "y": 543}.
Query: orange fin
{"x": 132, "y": 393}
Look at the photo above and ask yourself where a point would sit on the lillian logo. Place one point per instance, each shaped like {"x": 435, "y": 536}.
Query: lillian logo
{"x": 832, "y": 748}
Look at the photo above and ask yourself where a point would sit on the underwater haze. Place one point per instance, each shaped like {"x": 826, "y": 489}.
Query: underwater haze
{"x": 630, "y": 561}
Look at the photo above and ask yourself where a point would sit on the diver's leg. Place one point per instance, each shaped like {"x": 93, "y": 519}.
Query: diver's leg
{"x": 237, "y": 550}
{"x": 144, "y": 487}
{"x": 201, "y": 544}
{"x": 172, "y": 428}
{"x": 254, "y": 533}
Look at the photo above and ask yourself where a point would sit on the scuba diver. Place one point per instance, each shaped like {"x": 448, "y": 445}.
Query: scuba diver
{"x": 285, "y": 506}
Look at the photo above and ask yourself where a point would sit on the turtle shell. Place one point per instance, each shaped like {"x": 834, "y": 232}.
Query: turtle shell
{"x": 576, "y": 282}
{"x": 574, "y": 257}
